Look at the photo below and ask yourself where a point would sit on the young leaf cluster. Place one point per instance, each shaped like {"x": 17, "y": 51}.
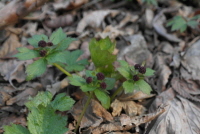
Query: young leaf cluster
{"x": 95, "y": 85}
{"x": 180, "y": 23}
{"x": 131, "y": 82}
{"x": 42, "y": 118}
{"x": 50, "y": 50}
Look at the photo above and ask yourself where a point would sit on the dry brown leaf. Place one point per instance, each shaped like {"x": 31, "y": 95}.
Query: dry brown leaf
{"x": 22, "y": 97}
{"x": 60, "y": 21}
{"x": 130, "y": 107}
{"x": 10, "y": 45}
{"x": 187, "y": 88}
{"x": 88, "y": 19}
{"x": 94, "y": 116}
{"x": 136, "y": 95}
{"x": 164, "y": 72}
{"x": 191, "y": 62}
{"x": 180, "y": 117}
{"x": 76, "y": 3}
{"x": 158, "y": 24}
{"x": 4, "y": 96}
{"x": 109, "y": 127}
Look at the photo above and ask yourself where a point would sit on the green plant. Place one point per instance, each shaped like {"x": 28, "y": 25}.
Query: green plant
{"x": 181, "y": 23}
{"x": 42, "y": 117}
{"x": 150, "y": 2}
{"x": 95, "y": 83}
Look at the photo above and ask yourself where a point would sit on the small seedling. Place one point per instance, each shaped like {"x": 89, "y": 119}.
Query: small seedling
{"x": 180, "y": 23}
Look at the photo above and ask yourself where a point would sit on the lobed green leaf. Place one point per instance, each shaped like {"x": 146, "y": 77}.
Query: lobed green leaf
{"x": 144, "y": 86}
{"x": 103, "y": 98}
{"x": 64, "y": 44}
{"x": 124, "y": 71}
{"x": 56, "y": 57}
{"x": 26, "y": 54}
{"x": 87, "y": 87}
{"x": 77, "y": 80}
{"x": 36, "y": 38}
{"x": 149, "y": 72}
{"x": 15, "y": 129}
{"x": 110, "y": 82}
{"x": 57, "y": 36}
{"x": 128, "y": 86}
{"x": 62, "y": 102}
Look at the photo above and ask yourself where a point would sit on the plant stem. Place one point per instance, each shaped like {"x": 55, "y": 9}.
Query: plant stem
{"x": 116, "y": 93}
{"x": 62, "y": 69}
{"x": 83, "y": 112}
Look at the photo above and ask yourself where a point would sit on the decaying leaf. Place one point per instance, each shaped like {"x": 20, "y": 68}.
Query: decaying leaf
{"x": 163, "y": 72}
{"x": 191, "y": 62}
{"x": 130, "y": 107}
{"x": 94, "y": 116}
{"x": 136, "y": 95}
{"x": 187, "y": 88}
{"x": 158, "y": 24}
{"x": 180, "y": 117}
{"x": 89, "y": 20}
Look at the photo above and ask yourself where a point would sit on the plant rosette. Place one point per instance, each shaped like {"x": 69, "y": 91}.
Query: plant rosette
{"x": 97, "y": 83}
{"x": 134, "y": 76}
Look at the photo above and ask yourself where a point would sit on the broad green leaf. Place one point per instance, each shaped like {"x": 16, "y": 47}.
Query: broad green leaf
{"x": 57, "y": 36}
{"x": 89, "y": 73}
{"x": 36, "y": 38}
{"x": 149, "y": 72}
{"x": 192, "y": 23}
{"x": 64, "y": 44}
{"x": 178, "y": 23}
{"x": 44, "y": 120}
{"x": 15, "y": 129}
{"x": 102, "y": 56}
{"x": 77, "y": 80}
{"x": 62, "y": 102}
{"x": 36, "y": 69}
{"x": 128, "y": 86}
{"x": 26, "y": 54}
{"x": 72, "y": 63}
{"x": 110, "y": 82}
{"x": 103, "y": 98}
{"x": 42, "y": 98}
{"x": 124, "y": 71}
{"x": 182, "y": 29}
{"x": 87, "y": 87}
{"x": 195, "y": 17}
{"x": 123, "y": 63}
{"x": 56, "y": 57}
{"x": 144, "y": 86}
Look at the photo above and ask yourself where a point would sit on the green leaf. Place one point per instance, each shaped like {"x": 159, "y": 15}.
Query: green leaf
{"x": 77, "y": 80}
{"x": 56, "y": 57}
{"x": 57, "y": 36}
{"x": 151, "y": 2}
{"x": 101, "y": 54}
{"x": 89, "y": 73}
{"x": 15, "y": 129}
{"x": 110, "y": 82}
{"x": 195, "y": 17}
{"x": 26, "y": 54}
{"x": 192, "y": 23}
{"x": 128, "y": 86}
{"x": 62, "y": 102}
{"x": 36, "y": 38}
{"x": 36, "y": 69}
{"x": 178, "y": 23}
{"x": 64, "y": 44}
{"x": 103, "y": 98}
{"x": 149, "y": 72}
{"x": 44, "y": 120}
{"x": 87, "y": 87}
{"x": 42, "y": 98}
{"x": 123, "y": 63}
{"x": 124, "y": 71}
{"x": 143, "y": 86}
{"x": 73, "y": 64}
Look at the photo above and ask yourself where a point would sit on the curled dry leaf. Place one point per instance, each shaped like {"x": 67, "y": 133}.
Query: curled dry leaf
{"x": 114, "y": 126}
{"x": 76, "y": 3}
{"x": 180, "y": 117}
{"x": 4, "y": 97}
{"x": 88, "y": 19}
{"x": 158, "y": 24}
{"x": 136, "y": 95}
{"x": 130, "y": 107}
{"x": 138, "y": 120}
{"x": 191, "y": 62}
{"x": 163, "y": 72}
{"x": 94, "y": 115}
{"x": 187, "y": 88}
{"x": 137, "y": 47}
{"x": 60, "y": 21}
